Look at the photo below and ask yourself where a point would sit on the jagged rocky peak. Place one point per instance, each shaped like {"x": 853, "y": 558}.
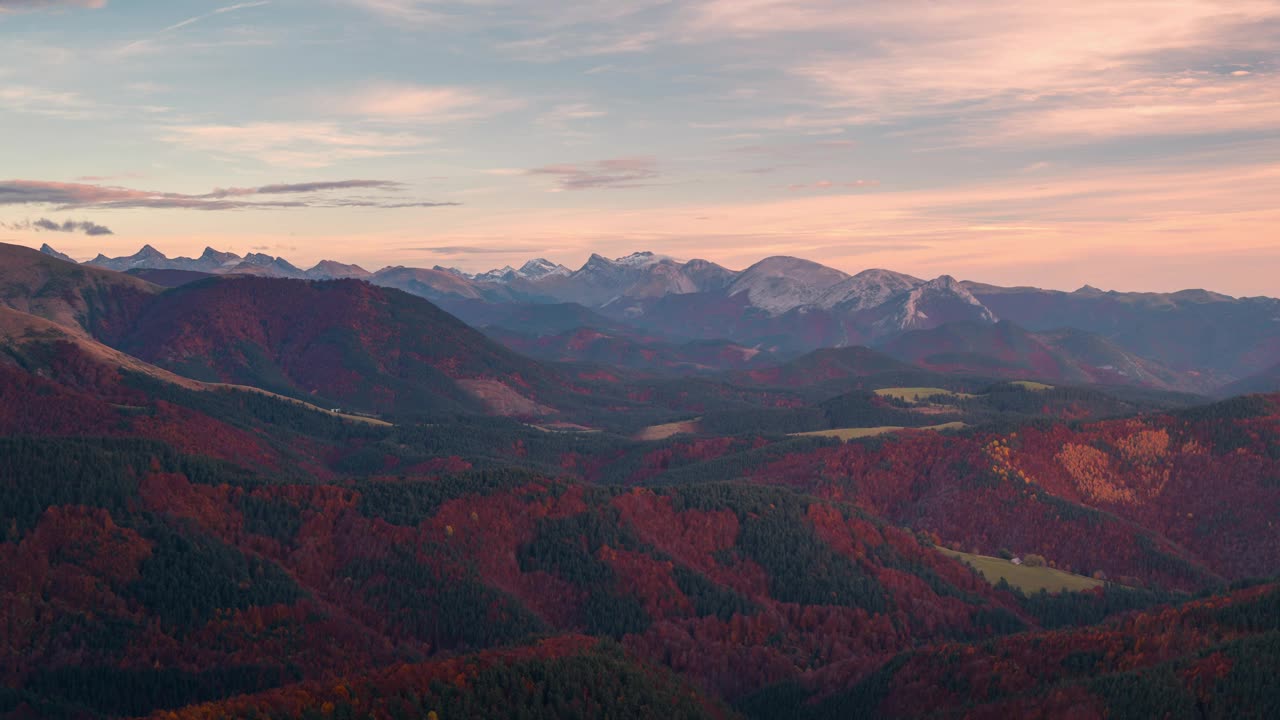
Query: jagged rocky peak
{"x": 948, "y": 287}
{"x": 934, "y": 303}
{"x": 596, "y": 260}
{"x": 502, "y": 274}
{"x": 47, "y": 250}
{"x": 217, "y": 256}
{"x": 259, "y": 259}
{"x": 148, "y": 253}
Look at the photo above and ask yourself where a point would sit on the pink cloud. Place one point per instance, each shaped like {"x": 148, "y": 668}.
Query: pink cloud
{"x": 1163, "y": 214}
{"x": 1046, "y": 72}
{"x": 420, "y": 103}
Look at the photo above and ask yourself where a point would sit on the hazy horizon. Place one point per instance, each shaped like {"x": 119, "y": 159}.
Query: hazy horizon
{"x": 1134, "y": 146}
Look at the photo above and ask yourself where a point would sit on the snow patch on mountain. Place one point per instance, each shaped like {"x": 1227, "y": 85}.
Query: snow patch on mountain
{"x": 938, "y": 301}
{"x": 780, "y": 284}
{"x": 641, "y": 259}
{"x": 503, "y": 274}
{"x": 867, "y": 289}
{"x": 539, "y": 268}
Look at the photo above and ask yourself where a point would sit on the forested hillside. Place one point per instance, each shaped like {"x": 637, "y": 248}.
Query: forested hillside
{"x": 215, "y": 540}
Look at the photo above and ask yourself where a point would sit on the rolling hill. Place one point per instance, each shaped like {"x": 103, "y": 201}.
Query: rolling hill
{"x": 342, "y": 343}
{"x": 85, "y": 299}
{"x": 189, "y": 530}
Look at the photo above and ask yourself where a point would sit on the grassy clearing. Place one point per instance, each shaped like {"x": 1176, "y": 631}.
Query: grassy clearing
{"x": 666, "y": 430}
{"x": 349, "y": 417}
{"x": 564, "y": 427}
{"x": 1030, "y": 385}
{"x": 1027, "y": 579}
{"x": 854, "y": 433}
{"x": 919, "y": 394}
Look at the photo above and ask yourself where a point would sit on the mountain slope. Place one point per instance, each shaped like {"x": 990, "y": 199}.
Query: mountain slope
{"x": 623, "y": 350}
{"x": 1177, "y": 499}
{"x": 443, "y": 285}
{"x": 1008, "y": 351}
{"x": 1267, "y": 381}
{"x": 867, "y": 289}
{"x": 55, "y": 382}
{"x": 74, "y": 296}
{"x": 937, "y": 302}
{"x": 47, "y": 250}
{"x": 331, "y": 270}
{"x": 779, "y": 284}
{"x": 168, "y": 278}
{"x": 823, "y": 366}
{"x": 1220, "y": 337}
{"x": 1206, "y": 658}
{"x": 601, "y": 281}
{"x": 342, "y": 342}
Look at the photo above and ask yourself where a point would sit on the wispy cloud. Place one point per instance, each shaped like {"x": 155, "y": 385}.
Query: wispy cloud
{"x": 301, "y": 144}
{"x": 71, "y": 196}
{"x": 66, "y": 226}
{"x": 577, "y": 44}
{"x": 149, "y": 44}
{"x": 1062, "y": 72}
{"x": 414, "y": 12}
{"x": 624, "y": 172}
{"x": 17, "y": 5}
{"x": 215, "y": 13}
{"x": 50, "y": 103}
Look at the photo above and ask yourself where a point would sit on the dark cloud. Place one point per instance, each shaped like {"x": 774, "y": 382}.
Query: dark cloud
{"x": 74, "y": 196}
{"x": 67, "y": 226}
{"x": 285, "y": 189}
{"x": 625, "y": 172}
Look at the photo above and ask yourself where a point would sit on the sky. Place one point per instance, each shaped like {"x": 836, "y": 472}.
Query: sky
{"x": 1132, "y": 144}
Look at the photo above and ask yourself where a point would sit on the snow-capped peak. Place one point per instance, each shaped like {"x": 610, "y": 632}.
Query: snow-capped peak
{"x": 539, "y": 268}
{"x": 641, "y": 259}
{"x": 867, "y": 289}
{"x": 934, "y": 303}
{"x": 779, "y": 284}
{"x": 502, "y": 274}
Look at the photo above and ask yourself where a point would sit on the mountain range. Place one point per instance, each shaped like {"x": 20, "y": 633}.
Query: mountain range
{"x": 1193, "y": 340}
{"x": 236, "y": 495}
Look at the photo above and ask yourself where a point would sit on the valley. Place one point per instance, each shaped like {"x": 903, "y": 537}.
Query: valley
{"x": 232, "y": 496}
